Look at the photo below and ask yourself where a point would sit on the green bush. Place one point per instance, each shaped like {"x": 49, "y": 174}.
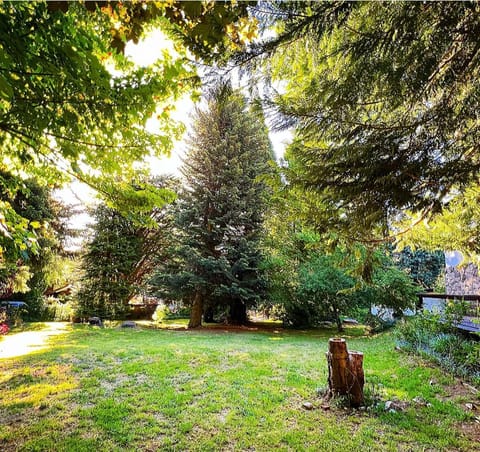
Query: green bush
{"x": 161, "y": 312}
{"x": 437, "y": 340}
{"x": 324, "y": 293}
{"x": 60, "y": 310}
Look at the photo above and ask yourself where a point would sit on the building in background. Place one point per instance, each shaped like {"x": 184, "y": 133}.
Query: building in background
{"x": 460, "y": 279}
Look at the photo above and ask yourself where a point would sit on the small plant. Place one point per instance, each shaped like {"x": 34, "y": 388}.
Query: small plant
{"x": 455, "y": 310}
{"x": 60, "y": 310}
{"x": 373, "y": 393}
{"x": 341, "y": 401}
{"x": 434, "y": 338}
{"x": 160, "y": 313}
{"x": 375, "y": 324}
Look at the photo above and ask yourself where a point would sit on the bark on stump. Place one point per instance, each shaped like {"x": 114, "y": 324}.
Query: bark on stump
{"x": 345, "y": 372}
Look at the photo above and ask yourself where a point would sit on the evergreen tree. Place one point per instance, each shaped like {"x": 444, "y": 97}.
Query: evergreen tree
{"x": 424, "y": 267}
{"x": 220, "y": 211}
{"x": 384, "y": 99}
{"x": 121, "y": 256}
{"x": 111, "y": 256}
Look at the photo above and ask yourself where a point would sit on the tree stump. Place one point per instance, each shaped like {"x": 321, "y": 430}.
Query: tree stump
{"x": 345, "y": 372}
{"x": 356, "y": 378}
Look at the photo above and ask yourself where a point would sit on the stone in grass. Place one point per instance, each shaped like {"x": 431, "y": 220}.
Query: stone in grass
{"x": 307, "y": 405}
{"x": 420, "y": 401}
{"x": 95, "y": 321}
{"x": 128, "y": 324}
{"x": 393, "y": 406}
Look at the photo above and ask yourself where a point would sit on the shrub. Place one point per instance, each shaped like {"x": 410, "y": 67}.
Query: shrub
{"x": 323, "y": 293}
{"x": 60, "y": 310}
{"x": 436, "y": 339}
{"x": 160, "y": 313}
{"x": 13, "y": 316}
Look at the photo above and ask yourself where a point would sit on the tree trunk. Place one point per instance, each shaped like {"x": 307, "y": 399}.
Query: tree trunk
{"x": 197, "y": 311}
{"x": 337, "y": 357}
{"x": 345, "y": 372}
{"x": 238, "y": 313}
{"x": 208, "y": 316}
{"x": 356, "y": 378}
{"x": 338, "y": 321}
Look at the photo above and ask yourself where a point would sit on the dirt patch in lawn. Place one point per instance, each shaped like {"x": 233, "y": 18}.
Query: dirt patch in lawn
{"x": 468, "y": 398}
{"x": 460, "y": 390}
{"x": 472, "y": 431}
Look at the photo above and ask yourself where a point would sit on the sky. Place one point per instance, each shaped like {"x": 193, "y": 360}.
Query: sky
{"x": 146, "y": 52}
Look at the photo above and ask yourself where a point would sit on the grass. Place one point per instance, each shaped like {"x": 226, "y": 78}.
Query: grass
{"x": 145, "y": 389}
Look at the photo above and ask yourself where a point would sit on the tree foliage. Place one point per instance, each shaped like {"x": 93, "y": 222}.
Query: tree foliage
{"x": 455, "y": 228}
{"x": 423, "y": 266}
{"x": 220, "y": 210}
{"x": 315, "y": 275}
{"x": 383, "y": 98}
{"x": 23, "y": 275}
{"x": 121, "y": 257}
{"x": 206, "y": 28}
{"x": 111, "y": 256}
{"x": 71, "y": 103}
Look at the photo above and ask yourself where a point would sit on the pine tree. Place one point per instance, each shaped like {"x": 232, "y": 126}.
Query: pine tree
{"x": 220, "y": 211}
{"x": 111, "y": 257}
{"x": 384, "y": 99}
{"x": 121, "y": 257}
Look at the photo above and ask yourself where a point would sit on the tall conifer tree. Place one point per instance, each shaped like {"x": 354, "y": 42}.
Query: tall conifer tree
{"x": 384, "y": 100}
{"x": 122, "y": 254}
{"x": 220, "y": 210}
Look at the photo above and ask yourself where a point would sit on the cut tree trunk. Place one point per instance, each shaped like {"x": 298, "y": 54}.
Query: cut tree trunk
{"x": 345, "y": 372}
{"x": 197, "y": 311}
{"x": 337, "y": 357}
{"x": 356, "y": 378}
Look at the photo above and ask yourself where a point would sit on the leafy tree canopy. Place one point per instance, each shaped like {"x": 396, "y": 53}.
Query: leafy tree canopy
{"x": 456, "y": 228}
{"x": 72, "y": 104}
{"x": 27, "y": 277}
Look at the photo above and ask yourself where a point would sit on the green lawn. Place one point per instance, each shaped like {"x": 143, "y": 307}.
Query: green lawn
{"x": 112, "y": 389}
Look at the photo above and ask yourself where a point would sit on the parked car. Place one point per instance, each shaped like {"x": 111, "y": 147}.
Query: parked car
{"x": 14, "y": 304}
